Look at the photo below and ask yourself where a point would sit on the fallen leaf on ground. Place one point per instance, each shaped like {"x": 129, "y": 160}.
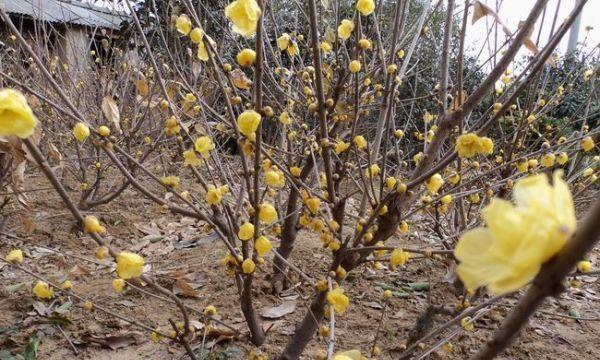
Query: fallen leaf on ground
{"x": 277, "y": 312}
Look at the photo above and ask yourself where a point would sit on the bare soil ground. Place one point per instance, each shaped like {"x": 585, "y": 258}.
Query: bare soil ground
{"x": 178, "y": 248}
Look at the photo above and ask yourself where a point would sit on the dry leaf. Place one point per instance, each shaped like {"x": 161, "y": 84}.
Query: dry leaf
{"x": 53, "y": 152}
{"x": 530, "y": 45}
{"x": 240, "y": 80}
{"x": 111, "y": 112}
{"x": 277, "y": 312}
{"x": 78, "y": 271}
{"x": 480, "y": 10}
{"x": 116, "y": 341}
{"x": 141, "y": 84}
{"x": 183, "y": 288}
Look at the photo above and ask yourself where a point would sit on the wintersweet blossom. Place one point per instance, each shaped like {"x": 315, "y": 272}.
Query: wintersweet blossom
{"x": 245, "y": 15}
{"x": 14, "y": 256}
{"x": 246, "y": 231}
{"x": 398, "y": 257}
{"x": 190, "y": 158}
{"x": 42, "y": 290}
{"x": 587, "y": 143}
{"x": 183, "y": 24}
{"x": 246, "y": 58}
{"x": 262, "y": 245}
{"x": 129, "y": 265}
{"x": 248, "y": 266}
{"x": 434, "y": 183}
{"x": 118, "y": 285}
{"x": 92, "y": 225}
{"x": 247, "y": 123}
{"x": 360, "y": 142}
{"x": 470, "y": 144}
{"x": 365, "y": 7}
{"x": 267, "y": 213}
{"x": 81, "y": 131}
{"x": 518, "y": 239}
{"x": 345, "y": 29}
{"x": 16, "y": 117}
{"x": 313, "y": 204}
{"x": 204, "y": 145}
{"x": 338, "y": 300}
{"x": 354, "y": 66}
{"x": 196, "y": 35}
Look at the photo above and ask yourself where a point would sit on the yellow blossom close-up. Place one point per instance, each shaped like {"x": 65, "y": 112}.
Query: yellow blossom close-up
{"x": 518, "y": 239}
{"x": 16, "y": 117}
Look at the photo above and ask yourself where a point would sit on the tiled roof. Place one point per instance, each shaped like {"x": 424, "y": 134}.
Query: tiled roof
{"x": 65, "y": 11}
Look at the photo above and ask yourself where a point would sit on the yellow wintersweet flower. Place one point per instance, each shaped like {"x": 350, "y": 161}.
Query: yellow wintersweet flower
{"x": 523, "y": 166}
{"x": 213, "y": 195}
{"x": 118, "y": 285}
{"x": 196, "y": 35}
{"x": 66, "y": 285}
{"x": 587, "y": 143}
{"x": 446, "y": 199}
{"x": 262, "y": 245}
{"x": 81, "y": 131}
{"x": 246, "y": 58}
{"x": 345, "y": 29}
{"x": 14, "y": 256}
{"x": 313, "y": 204}
{"x": 434, "y": 183}
{"x": 418, "y": 157}
{"x": 284, "y": 41}
{"x": 190, "y": 158}
{"x": 129, "y": 265}
{"x": 267, "y": 213}
{"x": 103, "y": 130}
{"x": 365, "y": 44}
{"x": 398, "y": 257}
{"x": 360, "y": 142}
{"x": 275, "y": 178}
{"x": 285, "y": 118}
{"x": 202, "y": 52}
{"x": 42, "y": 290}
{"x": 16, "y": 117}
{"x": 101, "y": 252}
{"x": 210, "y": 310}
{"x": 246, "y": 231}
{"x": 338, "y": 300}
{"x": 372, "y": 171}
{"x": 341, "y": 146}
{"x": 204, "y": 145}
{"x": 245, "y": 15}
{"x": 295, "y": 171}
{"x": 390, "y": 183}
{"x": 487, "y": 146}
{"x": 248, "y": 266}
{"x": 92, "y": 225}
{"x": 171, "y": 181}
{"x": 248, "y": 122}
{"x": 325, "y": 47}
{"x": 348, "y": 355}
{"x": 518, "y": 239}
{"x": 365, "y": 7}
{"x": 354, "y": 66}
{"x": 468, "y": 145}
{"x": 183, "y": 24}
{"x": 562, "y": 158}
{"x": 548, "y": 160}
{"x": 467, "y": 323}
{"x": 584, "y": 266}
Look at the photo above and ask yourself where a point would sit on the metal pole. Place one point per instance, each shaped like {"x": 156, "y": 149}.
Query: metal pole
{"x": 574, "y": 34}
